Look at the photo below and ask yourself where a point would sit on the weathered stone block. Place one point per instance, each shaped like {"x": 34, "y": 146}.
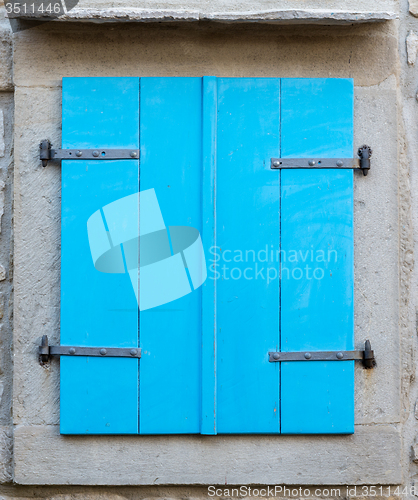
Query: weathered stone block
{"x": 283, "y": 11}
{"x": 370, "y": 456}
{"x": 6, "y": 55}
{"x": 6, "y": 454}
{"x": 413, "y": 7}
{"x": 412, "y": 47}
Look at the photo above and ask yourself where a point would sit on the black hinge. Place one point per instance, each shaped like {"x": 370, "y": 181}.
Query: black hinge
{"x": 46, "y": 351}
{"x": 366, "y": 356}
{"x": 360, "y": 163}
{"x": 46, "y": 154}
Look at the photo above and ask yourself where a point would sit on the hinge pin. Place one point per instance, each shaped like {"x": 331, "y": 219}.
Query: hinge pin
{"x": 45, "y": 152}
{"x": 365, "y": 153}
{"x": 368, "y": 355}
{"x": 44, "y": 350}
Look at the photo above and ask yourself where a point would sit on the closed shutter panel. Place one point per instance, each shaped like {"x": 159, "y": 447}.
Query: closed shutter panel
{"x": 98, "y": 396}
{"x": 205, "y": 170}
{"x": 170, "y": 334}
{"x": 248, "y": 228}
{"x": 317, "y": 226}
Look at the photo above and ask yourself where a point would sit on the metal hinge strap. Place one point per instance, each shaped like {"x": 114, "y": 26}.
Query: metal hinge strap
{"x": 366, "y": 356}
{"x": 46, "y": 351}
{"x": 360, "y": 163}
{"x": 46, "y": 154}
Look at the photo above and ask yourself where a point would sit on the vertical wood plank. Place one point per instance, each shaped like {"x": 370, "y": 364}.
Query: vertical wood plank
{"x": 171, "y": 334}
{"x": 209, "y": 132}
{"x": 98, "y": 395}
{"x": 317, "y": 256}
{"x": 248, "y": 234}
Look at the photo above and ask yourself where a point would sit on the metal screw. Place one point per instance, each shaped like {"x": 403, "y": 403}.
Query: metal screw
{"x": 340, "y": 163}
{"x": 79, "y": 153}
{"x": 277, "y": 163}
{"x": 134, "y": 154}
{"x": 71, "y": 350}
{"x": 340, "y": 355}
{"x": 308, "y": 355}
{"x": 133, "y": 352}
{"x": 276, "y": 355}
{"x": 95, "y": 154}
{"x": 103, "y": 352}
{"x": 311, "y": 163}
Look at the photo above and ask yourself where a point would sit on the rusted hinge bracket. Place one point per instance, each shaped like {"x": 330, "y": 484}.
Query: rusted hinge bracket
{"x": 360, "y": 163}
{"x": 47, "y": 154}
{"x": 46, "y": 351}
{"x": 366, "y": 356}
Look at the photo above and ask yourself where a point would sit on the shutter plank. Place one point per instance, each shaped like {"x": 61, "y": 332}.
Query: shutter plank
{"x": 317, "y": 215}
{"x": 170, "y": 334}
{"x": 98, "y": 395}
{"x": 247, "y": 219}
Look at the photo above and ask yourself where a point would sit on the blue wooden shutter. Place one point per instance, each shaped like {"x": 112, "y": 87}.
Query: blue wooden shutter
{"x": 317, "y": 283}
{"x": 206, "y": 146}
{"x": 170, "y": 334}
{"x": 248, "y": 227}
{"x": 98, "y": 396}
